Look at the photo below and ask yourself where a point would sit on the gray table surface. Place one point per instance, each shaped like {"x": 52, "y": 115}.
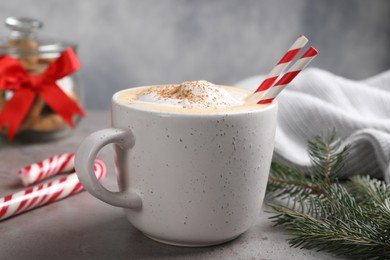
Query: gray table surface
{"x": 82, "y": 227}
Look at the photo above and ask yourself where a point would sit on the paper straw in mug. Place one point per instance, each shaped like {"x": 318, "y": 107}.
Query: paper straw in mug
{"x": 278, "y": 69}
{"x": 14, "y": 204}
{"x": 295, "y": 69}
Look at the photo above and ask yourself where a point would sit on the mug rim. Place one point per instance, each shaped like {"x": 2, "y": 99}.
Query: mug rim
{"x": 114, "y": 100}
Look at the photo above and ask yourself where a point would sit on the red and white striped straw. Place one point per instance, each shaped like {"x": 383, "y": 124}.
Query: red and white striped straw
{"x": 278, "y": 69}
{"x": 14, "y": 204}
{"x": 36, "y": 172}
{"x": 295, "y": 69}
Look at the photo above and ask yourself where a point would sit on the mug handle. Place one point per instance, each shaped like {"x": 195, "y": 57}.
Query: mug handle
{"x": 84, "y": 161}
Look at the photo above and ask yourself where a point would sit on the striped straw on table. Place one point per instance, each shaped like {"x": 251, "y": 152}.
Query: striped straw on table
{"x": 36, "y": 172}
{"x": 30, "y": 198}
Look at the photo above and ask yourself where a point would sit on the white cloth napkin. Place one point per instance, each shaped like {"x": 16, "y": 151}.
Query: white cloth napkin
{"x": 317, "y": 102}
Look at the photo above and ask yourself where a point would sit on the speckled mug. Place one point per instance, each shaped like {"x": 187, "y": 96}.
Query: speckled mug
{"x": 185, "y": 179}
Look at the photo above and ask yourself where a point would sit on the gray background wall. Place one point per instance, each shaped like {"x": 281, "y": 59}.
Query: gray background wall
{"x": 124, "y": 43}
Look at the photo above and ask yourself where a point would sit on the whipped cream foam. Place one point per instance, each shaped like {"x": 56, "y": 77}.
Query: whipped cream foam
{"x": 191, "y": 94}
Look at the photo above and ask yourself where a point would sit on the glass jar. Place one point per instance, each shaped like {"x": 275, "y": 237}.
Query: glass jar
{"x": 35, "y": 53}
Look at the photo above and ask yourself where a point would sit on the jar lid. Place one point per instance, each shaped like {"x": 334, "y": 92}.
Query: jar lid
{"x": 25, "y": 39}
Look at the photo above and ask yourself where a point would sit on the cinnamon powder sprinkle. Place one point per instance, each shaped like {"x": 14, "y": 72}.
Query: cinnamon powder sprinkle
{"x": 186, "y": 90}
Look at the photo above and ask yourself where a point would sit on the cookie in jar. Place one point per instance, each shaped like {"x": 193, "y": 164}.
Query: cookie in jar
{"x": 41, "y": 97}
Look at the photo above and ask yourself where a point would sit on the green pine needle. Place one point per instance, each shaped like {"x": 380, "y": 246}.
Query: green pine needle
{"x": 349, "y": 219}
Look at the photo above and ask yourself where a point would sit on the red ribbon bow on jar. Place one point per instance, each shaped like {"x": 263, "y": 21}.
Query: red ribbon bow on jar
{"x": 25, "y": 87}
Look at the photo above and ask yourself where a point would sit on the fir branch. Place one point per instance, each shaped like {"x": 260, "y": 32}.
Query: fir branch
{"x": 350, "y": 220}
{"x": 327, "y": 157}
{"x": 287, "y": 180}
{"x": 375, "y": 196}
{"x": 368, "y": 190}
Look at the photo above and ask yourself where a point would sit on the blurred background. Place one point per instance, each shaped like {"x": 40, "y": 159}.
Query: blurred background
{"x": 127, "y": 43}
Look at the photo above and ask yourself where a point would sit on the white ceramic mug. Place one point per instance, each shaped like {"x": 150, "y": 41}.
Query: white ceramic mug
{"x": 185, "y": 179}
